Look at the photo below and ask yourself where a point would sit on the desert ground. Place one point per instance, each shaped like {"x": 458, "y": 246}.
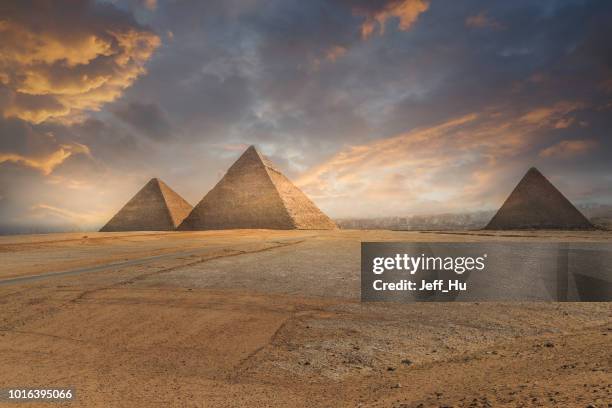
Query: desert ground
{"x": 259, "y": 318}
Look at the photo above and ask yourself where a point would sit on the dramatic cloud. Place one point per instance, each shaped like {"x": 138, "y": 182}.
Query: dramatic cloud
{"x": 376, "y": 107}
{"x": 555, "y": 115}
{"x": 47, "y": 163}
{"x": 35, "y": 149}
{"x": 433, "y": 167}
{"x": 56, "y": 62}
{"x": 147, "y": 118}
{"x": 406, "y": 11}
{"x": 569, "y": 148}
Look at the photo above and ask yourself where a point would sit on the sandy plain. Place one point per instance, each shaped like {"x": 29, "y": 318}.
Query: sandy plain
{"x": 258, "y": 318}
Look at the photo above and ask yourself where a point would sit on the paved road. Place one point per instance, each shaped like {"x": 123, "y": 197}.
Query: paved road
{"x": 92, "y": 269}
{"x": 140, "y": 261}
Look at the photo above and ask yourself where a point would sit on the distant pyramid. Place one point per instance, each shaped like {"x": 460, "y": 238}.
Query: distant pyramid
{"x": 254, "y": 194}
{"x": 536, "y": 204}
{"x": 156, "y": 207}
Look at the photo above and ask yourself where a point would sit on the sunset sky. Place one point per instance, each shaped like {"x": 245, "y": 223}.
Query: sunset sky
{"x": 373, "y": 108}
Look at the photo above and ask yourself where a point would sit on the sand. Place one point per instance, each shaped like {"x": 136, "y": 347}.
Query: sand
{"x": 272, "y": 318}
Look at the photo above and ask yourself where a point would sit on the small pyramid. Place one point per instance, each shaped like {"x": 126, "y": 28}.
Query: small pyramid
{"x": 254, "y": 194}
{"x": 156, "y": 207}
{"x": 536, "y": 204}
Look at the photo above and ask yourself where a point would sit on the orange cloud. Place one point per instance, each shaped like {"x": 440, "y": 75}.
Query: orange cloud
{"x": 407, "y": 11}
{"x": 569, "y": 148}
{"x": 46, "y": 163}
{"x": 331, "y": 55}
{"x": 440, "y": 168}
{"x": 556, "y": 114}
{"x": 58, "y": 71}
{"x": 481, "y": 20}
{"x": 335, "y": 52}
{"x": 25, "y": 46}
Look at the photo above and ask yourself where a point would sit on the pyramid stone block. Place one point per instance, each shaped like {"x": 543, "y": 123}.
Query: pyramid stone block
{"x": 156, "y": 207}
{"x": 536, "y": 204}
{"x": 254, "y": 194}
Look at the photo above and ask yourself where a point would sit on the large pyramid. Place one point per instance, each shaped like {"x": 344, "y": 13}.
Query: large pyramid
{"x": 254, "y": 194}
{"x": 156, "y": 207}
{"x": 536, "y": 204}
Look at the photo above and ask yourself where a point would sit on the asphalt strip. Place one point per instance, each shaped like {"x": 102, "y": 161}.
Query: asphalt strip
{"x": 100, "y": 268}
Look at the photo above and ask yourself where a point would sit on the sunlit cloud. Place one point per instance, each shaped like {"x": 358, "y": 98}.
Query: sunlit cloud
{"x": 46, "y": 163}
{"x": 331, "y": 55}
{"x": 57, "y": 70}
{"x": 445, "y": 167}
{"x": 406, "y": 11}
{"x": 556, "y": 114}
{"x": 335, "y": 52}
{"x": 569, "y": 148}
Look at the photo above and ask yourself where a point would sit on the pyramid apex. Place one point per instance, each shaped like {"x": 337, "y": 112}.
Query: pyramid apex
{"x": 156, "y": 181}
{"x": 252, "y": 151}
{"x": 152, "y": 182}
{"x": 533, "y": 172}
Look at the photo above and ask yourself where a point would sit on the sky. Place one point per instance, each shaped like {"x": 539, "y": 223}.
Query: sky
{"x": 372, "y": 108}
